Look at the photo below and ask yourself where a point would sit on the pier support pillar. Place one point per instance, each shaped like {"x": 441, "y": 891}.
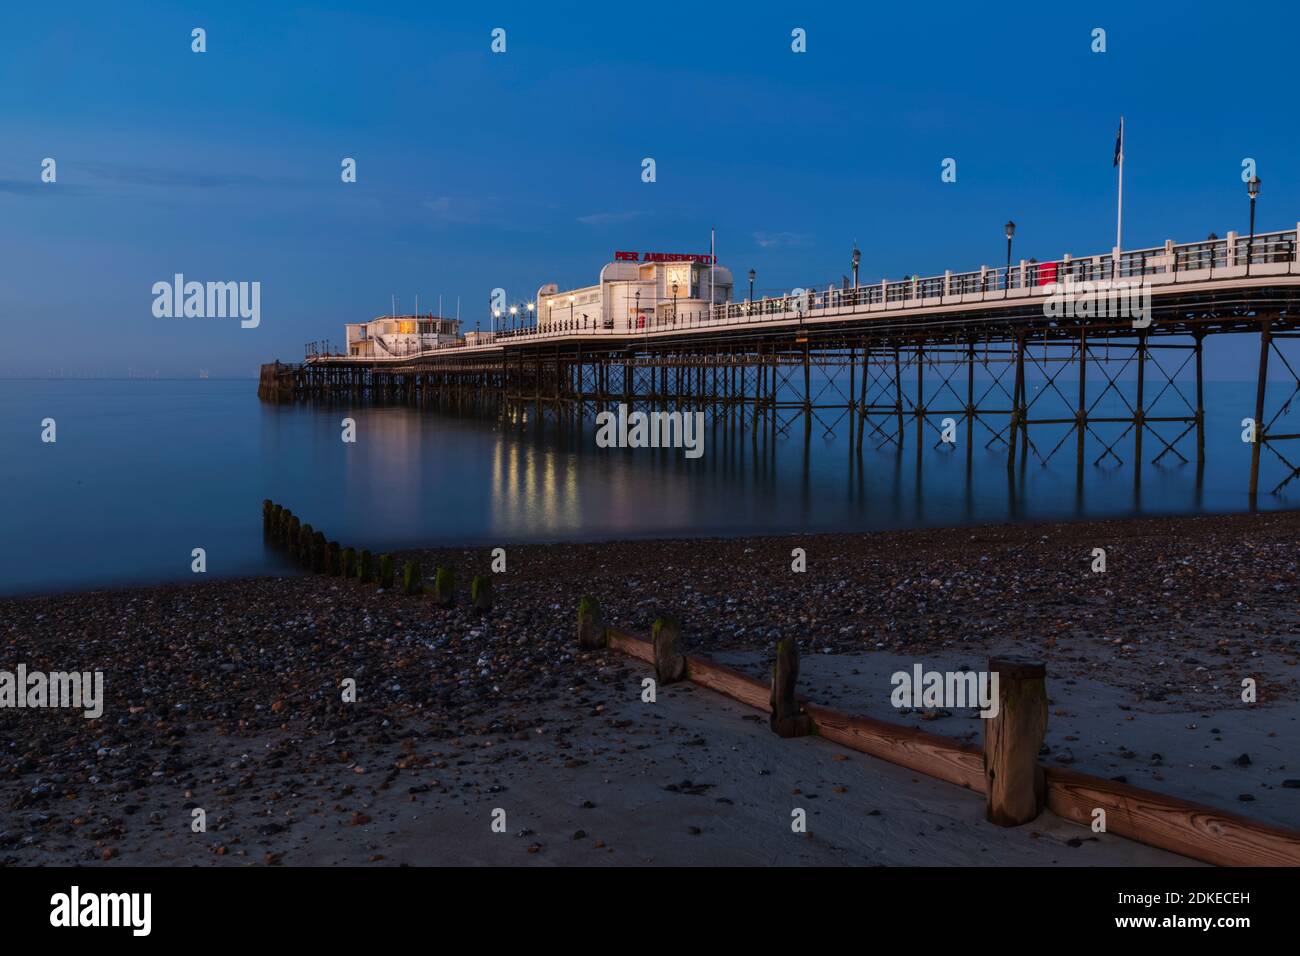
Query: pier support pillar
{"x": 1200, "y": 404}
{"x": 1261, "y": 384}
{"x": 1139, "y": 412}
{"x": 1017, "y": 398}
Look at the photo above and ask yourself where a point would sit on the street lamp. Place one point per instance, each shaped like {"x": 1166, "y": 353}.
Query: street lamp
{"x": 752, "y": 273}
{"x": 1252, "y": 188}
{"x": 638, "y": 308}
{"x": 496, "y": 314}
{"x": 857, "y": 258}
{"x": 674, "y": 303}
{"x": 571, "y": 298}
{"x": 530, "y": 315}
{"x": 1006, "y": 282}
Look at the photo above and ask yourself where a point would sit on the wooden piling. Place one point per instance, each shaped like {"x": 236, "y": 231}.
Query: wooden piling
{"x": 591, "y": 627}
{"x": 787, "y": 718}
{"x": 319, "y": 553}
{"x": 386, "y": 571}
{"x": 1014, "y": 784}
{"x": 411, "y": 582}
{"x": 365, "y": 567}
{"x": 332, "y": 562}
{"x": 444, "y": 586}
{"x": 670, "y": 662}
{"x": 480, "y": 592}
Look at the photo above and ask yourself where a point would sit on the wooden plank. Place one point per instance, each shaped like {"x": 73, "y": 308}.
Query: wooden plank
{"x": 630, "y": 645}
{"x": 1179, "y": 826}
{"x": 729, "y": 681}
{"x": 930, "y": 754}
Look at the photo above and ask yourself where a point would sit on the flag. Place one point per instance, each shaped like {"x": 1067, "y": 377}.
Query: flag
{"x": 1119, "y": 144}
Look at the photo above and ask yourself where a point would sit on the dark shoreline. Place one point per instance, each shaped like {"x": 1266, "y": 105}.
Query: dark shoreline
{"x": 437, "y": 552}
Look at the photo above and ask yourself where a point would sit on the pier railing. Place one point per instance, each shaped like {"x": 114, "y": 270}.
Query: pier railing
{"x": 1212, "y": 259}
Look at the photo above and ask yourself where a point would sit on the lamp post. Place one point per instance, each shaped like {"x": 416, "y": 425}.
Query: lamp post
{"x": 857, "y": 258}
{"x": 674, "y": 303}
{"x": 1006, "y": 282}
{"x": 496, "y": 314}
{"x": 638, "y": 309}
{"x": 1252, "y": 188}
{"x": 531, "y": 324}
{"x": 752, "y": 273}
{"x": 571, "y": 312}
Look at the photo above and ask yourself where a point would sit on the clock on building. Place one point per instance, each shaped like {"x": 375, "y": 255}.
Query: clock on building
{"x": 680, "y": 276}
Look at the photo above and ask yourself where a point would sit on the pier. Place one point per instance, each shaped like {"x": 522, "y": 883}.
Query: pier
{"x": 887, "y": 362}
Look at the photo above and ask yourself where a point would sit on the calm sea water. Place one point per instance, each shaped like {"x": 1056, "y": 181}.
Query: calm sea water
{"x": 144, "y": 471}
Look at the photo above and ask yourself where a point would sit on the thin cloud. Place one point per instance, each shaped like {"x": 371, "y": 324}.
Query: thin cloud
{"x": 780, "y": 240}
{"x": 156, "y": 176}
{"x": 606, "y": 218}
{"x": 32, "y": 187}
{"x": 461, "y": 210}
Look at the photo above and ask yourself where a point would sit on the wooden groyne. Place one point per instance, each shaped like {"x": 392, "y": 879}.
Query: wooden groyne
{"x": 1168, "y": 823}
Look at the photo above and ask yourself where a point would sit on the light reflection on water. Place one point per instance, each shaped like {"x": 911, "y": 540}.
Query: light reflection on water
{"x": 145, "y": 471}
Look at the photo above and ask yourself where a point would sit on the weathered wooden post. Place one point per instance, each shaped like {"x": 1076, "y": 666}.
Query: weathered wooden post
{"x": 332, "y": 559}
{"x": 670, "y": 662}
{"x": 277, "y": 513}
{"x": 787, "y": 718}
{"x": 319, "y": 559}
{"x": 365, "y": 567}
{"x": 411, "y": 583}
{"x": 444, "y": 586}
{"x": 302, "y": 547}
{"x": 267, "y": 508}
{"x": 1013, "y": 780}
{"x": 480, "y": 592}
{"x": 348, "y": 563}
{"x": 291, "y": 538}
{"x": 386, "y": 571}
{"x": 591, "y": 626}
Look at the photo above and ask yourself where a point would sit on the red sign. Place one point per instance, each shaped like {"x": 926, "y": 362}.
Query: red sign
{"x": 661, "y": 257}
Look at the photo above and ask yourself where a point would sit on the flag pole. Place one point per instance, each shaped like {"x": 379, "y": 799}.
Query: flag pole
{"x": 1119, "y": 210}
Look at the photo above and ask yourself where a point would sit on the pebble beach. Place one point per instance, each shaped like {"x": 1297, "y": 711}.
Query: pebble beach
{"x": 225, "y": 697}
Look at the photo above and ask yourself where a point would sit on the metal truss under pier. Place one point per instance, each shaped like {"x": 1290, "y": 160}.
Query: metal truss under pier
{"x": 882, "y": 380}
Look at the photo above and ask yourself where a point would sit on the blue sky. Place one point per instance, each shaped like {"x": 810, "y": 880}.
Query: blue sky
{"x": 478, "y": 170}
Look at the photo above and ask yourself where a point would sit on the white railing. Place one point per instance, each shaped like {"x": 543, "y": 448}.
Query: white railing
{"x": 1269, "y": 254}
